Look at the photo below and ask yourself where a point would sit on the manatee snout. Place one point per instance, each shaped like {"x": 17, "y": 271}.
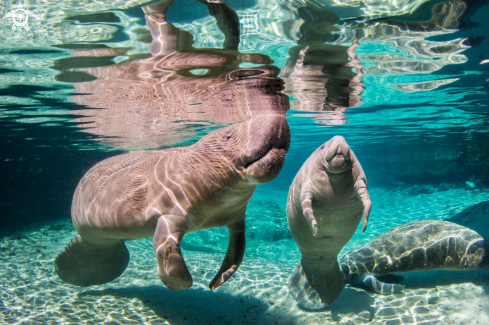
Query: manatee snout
{"x": 268, "y": 131}
{"x": 267, "y": 145}
{"x": 338, "y": 162}
{"x": 337, "y": 154}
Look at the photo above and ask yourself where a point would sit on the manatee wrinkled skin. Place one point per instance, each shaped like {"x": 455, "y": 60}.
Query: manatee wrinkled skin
{"x": 415, "y": 246}
{"x": 325, "y": 204}
{"x": 167, "y": 193}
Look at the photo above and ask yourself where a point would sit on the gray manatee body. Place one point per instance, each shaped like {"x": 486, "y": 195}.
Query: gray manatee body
{"x": 325, "y": 204}
{"x": 415, "y": 246}
{"x": 167, "y": 193}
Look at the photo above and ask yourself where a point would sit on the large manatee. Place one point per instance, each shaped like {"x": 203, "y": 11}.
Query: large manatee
{"x": 325, "y": 204}
{"x": 167, "y": 193}
{"x": 415, "y": 246}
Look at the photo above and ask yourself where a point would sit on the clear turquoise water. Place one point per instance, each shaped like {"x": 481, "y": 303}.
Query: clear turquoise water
{"x": 419, "y": 126}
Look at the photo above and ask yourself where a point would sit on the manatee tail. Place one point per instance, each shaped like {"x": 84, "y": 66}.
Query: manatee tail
{"x": 381, "y": 287}
{"x": 317, "y": 295}
{"x": 83, "y": 264}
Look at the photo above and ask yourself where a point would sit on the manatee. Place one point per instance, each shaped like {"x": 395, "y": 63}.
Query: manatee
{"x": 415, "y": 246}
{"x": 165, "y": 194}
{"x": 325, "y": 204}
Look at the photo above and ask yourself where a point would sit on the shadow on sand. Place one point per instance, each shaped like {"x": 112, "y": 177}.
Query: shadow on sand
{"x": 198, "y": 306}
{"x": 350, "y": 301}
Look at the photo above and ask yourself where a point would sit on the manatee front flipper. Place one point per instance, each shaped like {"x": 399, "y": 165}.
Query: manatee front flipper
{"x": 307, "y": 190}
{"x": 362, "y": 193}
{"x": 84, "y": 264}
{"x": 234, "y": 254}
{"x": 319, "y": 289}
{"x": 381, "y": 287}
{"x": 166, "y": 242}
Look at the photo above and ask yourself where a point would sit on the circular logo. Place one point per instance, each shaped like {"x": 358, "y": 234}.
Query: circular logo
{"x": 20, "y": 18}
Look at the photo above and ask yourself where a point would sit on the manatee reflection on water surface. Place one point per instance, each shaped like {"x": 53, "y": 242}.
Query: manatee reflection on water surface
{"x": 149, "y": 102}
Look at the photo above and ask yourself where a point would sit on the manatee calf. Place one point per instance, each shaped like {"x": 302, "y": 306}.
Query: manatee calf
{"x": 167, "y": 193}
{"x": 415, "y": 246}
{"x": 325, "y": 204}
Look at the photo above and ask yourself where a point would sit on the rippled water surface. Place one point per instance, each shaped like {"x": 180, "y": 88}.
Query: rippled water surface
{"x": 404, "y": 82}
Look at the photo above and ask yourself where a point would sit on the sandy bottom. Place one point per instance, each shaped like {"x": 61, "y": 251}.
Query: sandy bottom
{"x": 31, "y": 292}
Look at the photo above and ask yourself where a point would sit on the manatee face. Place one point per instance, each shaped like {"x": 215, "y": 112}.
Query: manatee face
{"x": 264, "y": 148}
{"x": 255, "y": 148}
{"x": 336, "y": 155}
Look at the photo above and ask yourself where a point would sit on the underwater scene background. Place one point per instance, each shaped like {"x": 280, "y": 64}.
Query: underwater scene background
{"x": 404, "y": 82}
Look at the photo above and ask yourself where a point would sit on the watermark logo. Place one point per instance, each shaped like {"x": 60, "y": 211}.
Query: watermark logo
{"x": 20, "y": 17}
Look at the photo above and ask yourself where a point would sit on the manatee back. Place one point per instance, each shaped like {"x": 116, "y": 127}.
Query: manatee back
{"x": 115, "y": 190}
{"x": 416, "y": 246}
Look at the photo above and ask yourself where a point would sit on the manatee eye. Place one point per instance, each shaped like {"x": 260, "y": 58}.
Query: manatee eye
{"x": 322, "y": 147}
{"x": 228, "y": 136}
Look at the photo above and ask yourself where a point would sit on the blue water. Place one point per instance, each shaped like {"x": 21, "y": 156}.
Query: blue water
{"x": 405, "y": 82}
